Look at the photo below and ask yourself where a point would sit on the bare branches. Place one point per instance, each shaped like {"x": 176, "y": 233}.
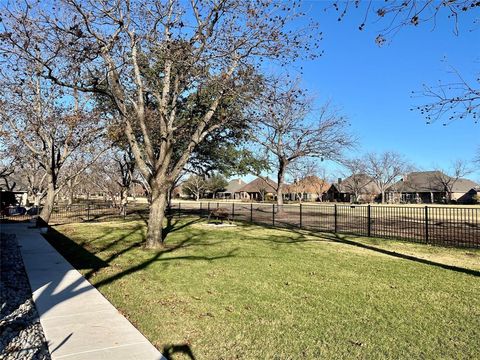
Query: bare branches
{"x": 448, "y": 178}
{"x": 456, "y": 100}
{"x": 385, "y": 168}
{"x": 290, "y": 130}
{"x": 401, "y": 13}
{"x": 448, "y": 101}
{"x": 147, "y": 61}
{"x": 45, "y": 122}
{"x": 307, "y": 178}
{"x": 195, "y": 186}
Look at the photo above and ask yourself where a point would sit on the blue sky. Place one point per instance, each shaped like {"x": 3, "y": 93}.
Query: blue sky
{"x": 373, "y": 85}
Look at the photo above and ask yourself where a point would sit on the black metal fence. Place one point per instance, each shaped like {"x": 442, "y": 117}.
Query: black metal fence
{"x": 436, "y": 225}
{"x": 69, "y": 213}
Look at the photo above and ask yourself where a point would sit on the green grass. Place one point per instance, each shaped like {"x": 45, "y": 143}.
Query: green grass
{"x": 251, "y": 292}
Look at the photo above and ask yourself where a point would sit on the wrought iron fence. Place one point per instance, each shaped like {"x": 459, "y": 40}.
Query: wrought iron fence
{"x": 436, "y": 225}
{"x": 67, "y": 213}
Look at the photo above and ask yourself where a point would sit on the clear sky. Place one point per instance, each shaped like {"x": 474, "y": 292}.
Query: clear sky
{"x": 374, "y": 84}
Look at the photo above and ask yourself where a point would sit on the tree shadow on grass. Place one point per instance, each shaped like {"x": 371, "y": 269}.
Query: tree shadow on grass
{"x": 169, "y": 350}
{"x": 175, "y": 225}
{"x": 58, "y": 289}
{"x": 75, "y": 254}
{"x": 83, "y": 259}
{"x": 157, "y": 257}
{"x": 304, "y": 236}
{"x": 339, "y": 239}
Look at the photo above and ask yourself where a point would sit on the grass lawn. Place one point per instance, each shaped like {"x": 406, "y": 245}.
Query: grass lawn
{"x": 251, "y": 292}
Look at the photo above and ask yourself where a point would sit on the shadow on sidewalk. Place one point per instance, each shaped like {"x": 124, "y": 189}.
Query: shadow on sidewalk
{"x": 49, "y": 294}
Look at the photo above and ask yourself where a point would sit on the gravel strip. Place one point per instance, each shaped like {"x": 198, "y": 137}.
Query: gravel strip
{"x": 21, "y": 335}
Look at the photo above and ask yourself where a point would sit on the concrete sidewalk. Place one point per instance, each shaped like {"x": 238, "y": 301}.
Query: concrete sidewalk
{"x": 79, "y": 323}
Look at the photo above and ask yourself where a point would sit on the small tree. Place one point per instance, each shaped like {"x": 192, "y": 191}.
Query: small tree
{"x": 216, "y": 183}
{"x": 113, "y": 174}
{"x": 287, "y": 133}
{"x": 321, "y": 184}
{"x": 7, "y": 160}
{"x": 195, "y": 186}
{"x": 303, "y": 175}
{"x": 355, "y": 170}
{"x": 447, "y": 178}
{"x": 385, "y": 168}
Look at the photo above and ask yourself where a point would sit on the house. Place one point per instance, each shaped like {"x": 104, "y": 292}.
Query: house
{"x": 311, "y": 188}
{"x": 472, "y": 196}
{"x": 13, "y": 188}
{"x": 232, "y": 190}
{"x": 355, "y": 188}
{"x": 259, "y": 189}
{"x": 431, "y": 187}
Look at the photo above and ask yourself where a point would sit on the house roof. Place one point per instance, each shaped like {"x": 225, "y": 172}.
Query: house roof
{"x": 235, "y": 185}
{"x": 259, "y": 185}
{"x": 464, "y": 185}
{"x": 363, "y": 182}
{"x": 430, "y": 181}
{"x": 310, "y": 184}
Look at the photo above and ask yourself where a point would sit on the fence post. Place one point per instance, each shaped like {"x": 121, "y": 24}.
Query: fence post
{"x": 208, "y": 208}
{"x": 273, "y": 214}
{"x": 179, "y": 209}
{"x": 88, "y": 212}
{"x": 251, "y": 212}
{"x": 201, "y": 209}
{"x": 233, "y": 211}
{"x": 218, "y": 205}
{"x": 369, "y": 219}
{"x": 335, "y": 218}
{"x": 426, "y": 224}
{"x": 300, "y": 215}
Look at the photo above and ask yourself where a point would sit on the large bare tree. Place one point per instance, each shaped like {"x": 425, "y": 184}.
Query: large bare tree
{"x": 151, "y": 59}
{"x": 39, "y": 117}
{"x": 291, "y": 130}
{"x": 385, "y": 168}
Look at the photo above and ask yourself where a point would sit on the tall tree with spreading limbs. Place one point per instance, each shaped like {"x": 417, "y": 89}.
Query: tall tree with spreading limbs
{"x": 290, "y": 130}
{"x": 148, "y": 56}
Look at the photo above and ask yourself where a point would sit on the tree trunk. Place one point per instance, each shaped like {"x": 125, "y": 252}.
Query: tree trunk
{"x": 282, "y": 166}
{"x": 155, "y": 220}
{"x": 37, "y": 198}
{"x": 70, "y": 198}
{"x": 47, "y": 210}
{"x": 123, "y": 200}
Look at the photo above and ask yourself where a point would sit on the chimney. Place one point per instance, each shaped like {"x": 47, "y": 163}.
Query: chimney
{"x": 339, "y": 181}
